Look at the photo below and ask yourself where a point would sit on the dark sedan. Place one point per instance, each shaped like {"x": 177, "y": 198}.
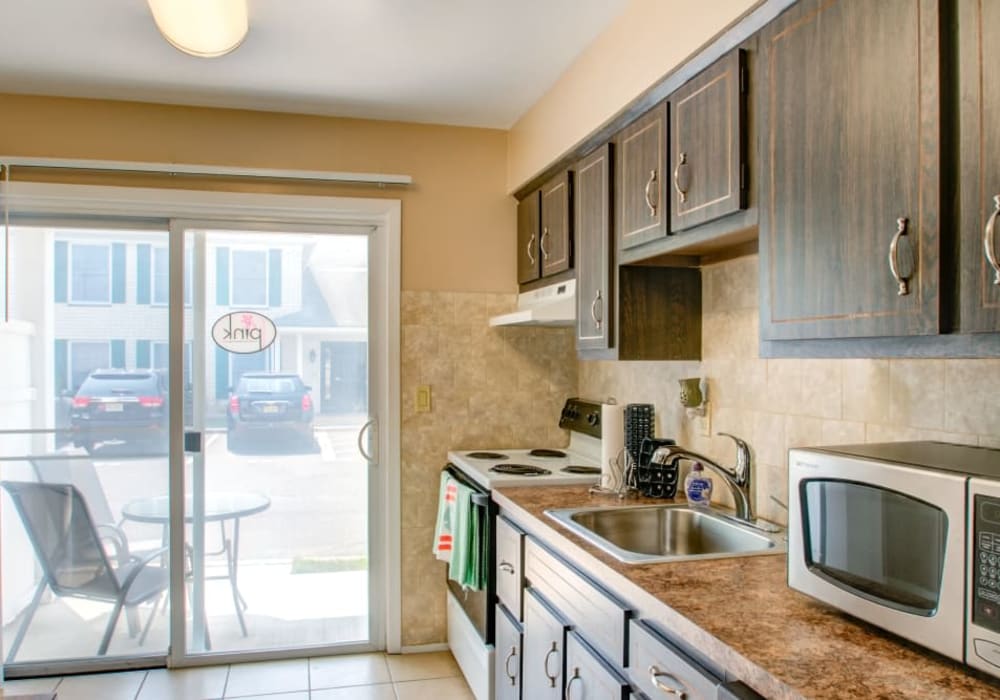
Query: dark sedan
{"x": 120, "y": 406}
{"x": 269, "y": 403}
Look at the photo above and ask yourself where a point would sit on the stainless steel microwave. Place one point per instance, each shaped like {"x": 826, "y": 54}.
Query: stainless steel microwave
{"x": 905, "y": 536}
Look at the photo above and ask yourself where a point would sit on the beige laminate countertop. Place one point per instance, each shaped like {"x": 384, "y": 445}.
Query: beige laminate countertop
{"x": 741, "y": 614}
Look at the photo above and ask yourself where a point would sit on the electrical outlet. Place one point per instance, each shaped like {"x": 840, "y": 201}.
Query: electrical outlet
{"x": 423, "y": 402}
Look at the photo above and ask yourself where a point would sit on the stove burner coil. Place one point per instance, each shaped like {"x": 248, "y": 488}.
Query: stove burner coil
{"x": 580, "y": 469}
{"x": 486, "y": 455}
{"x": 543, "y": 452}
{"x": 520, "y": 470}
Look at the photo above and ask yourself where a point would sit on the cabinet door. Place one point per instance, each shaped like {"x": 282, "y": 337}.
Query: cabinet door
{"x": 588, "y": 677}
{"x": 528, "y": 264}
{"x": 640, "y": 179}
{"x": 510, "y": 566}
{"x": 555, "y": 244}
{"x": 850, "y": 177}
{"x": 979, "y": 44}
{"x": 544, "y": 650}
{"x": 707, "y": 120}
{"x": 507, "y": 657}
{"x": 592, "y": 215}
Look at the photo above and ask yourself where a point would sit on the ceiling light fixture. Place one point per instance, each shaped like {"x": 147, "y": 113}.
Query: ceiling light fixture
{"x": 203, "y": 28}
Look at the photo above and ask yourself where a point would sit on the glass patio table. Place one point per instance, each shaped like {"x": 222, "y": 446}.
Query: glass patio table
{"x": 219, "y": 507}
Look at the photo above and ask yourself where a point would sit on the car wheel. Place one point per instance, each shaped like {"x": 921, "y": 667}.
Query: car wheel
{"x": 88, "y": 447}
{"x": 232, "y": 442}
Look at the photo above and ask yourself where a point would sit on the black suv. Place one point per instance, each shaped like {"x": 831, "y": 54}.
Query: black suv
{"x": 270, "y": 402}
{"x": 128, "y": 406}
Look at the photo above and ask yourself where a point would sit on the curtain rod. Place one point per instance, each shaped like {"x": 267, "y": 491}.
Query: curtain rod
{"x": 211, "y": 170}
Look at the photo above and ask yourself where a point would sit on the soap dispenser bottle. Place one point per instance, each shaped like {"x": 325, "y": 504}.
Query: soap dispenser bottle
{"x": 698, "y": 486}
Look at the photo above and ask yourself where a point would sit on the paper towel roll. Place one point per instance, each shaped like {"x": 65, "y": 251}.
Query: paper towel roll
{"x": 612, "y": 444}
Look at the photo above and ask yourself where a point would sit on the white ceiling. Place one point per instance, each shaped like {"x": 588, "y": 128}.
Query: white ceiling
{"x": 468, "y": 62}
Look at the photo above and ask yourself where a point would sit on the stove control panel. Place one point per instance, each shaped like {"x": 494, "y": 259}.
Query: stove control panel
{"x": 582, "y": 416}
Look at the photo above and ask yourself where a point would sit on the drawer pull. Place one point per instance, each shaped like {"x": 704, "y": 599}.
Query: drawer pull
{"x": 901, "y": 262}
{"x": 512, "y": 677}
{"x": 531, "y": 246}
{"x": 507, "y": 567}
{"x": 549, "y": 653}
{"x": 990, "y": 240}
{"x": 569, "y": 683}
{"x": 647, "y": 193}
{"x": 676, "y": 689}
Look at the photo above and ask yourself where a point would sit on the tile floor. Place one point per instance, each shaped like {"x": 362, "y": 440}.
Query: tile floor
{"x": 433, "y": 676}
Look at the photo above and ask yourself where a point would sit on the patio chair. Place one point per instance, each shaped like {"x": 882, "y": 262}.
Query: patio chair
{"x": 73, "y": 560}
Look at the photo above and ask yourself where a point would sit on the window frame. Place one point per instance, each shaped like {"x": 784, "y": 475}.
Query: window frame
{"x": 71, "y": 257}
{"x": 188, "y": 279}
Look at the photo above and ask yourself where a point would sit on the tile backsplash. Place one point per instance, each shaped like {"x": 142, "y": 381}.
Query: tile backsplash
{"x": 491, "y": 387}
{"x": 778, "y": 404}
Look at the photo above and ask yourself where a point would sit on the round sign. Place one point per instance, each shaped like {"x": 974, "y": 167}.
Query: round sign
{"x": 244, "y": 332}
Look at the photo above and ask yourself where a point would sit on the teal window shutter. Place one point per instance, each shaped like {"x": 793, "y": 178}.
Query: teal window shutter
{"x": 117, "y": 273}
{"x": 142, "y": 357}
{"x": 143, "y": 274}
{"x": 221, "y": 373}
{"x": 118, "y": 354}
{"x": 274, "y": 277}
{"x": 61, "y": 361}
{"x": 61, "y": 272}
{"x": 222, "y": 276}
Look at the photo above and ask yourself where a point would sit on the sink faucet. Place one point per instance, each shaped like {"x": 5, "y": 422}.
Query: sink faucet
{"x": 738, "y": 479}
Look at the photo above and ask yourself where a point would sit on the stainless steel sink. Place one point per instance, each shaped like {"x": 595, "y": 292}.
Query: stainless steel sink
{"x": 658, "y": 533}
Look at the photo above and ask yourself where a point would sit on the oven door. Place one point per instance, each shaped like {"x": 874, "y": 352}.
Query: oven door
{"x": 478, "y": 605}
{"x": 880, "y": 541}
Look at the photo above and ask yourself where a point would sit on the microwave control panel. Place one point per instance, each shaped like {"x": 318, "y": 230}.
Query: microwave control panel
{"x": 985, "y": 564}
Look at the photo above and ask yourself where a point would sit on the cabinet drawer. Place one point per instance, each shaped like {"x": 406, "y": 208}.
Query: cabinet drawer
{"x": 598, "y": 616}
{"x": 510, "y": 566}
{"x": 508, "y": 656}
{"x": 588, "y": 676}
{"x": 653, "y": 660}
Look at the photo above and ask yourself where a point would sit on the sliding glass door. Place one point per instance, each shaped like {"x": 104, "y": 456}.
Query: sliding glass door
{"x": 241, "y": 527}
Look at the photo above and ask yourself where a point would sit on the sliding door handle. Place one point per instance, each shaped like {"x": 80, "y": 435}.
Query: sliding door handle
{"x": 372, "y": 423}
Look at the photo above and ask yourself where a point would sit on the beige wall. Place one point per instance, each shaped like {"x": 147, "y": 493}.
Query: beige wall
{"x": 648, "y": 40}
{"x": 779, "y": 404}
{"x": 458, "y": 223}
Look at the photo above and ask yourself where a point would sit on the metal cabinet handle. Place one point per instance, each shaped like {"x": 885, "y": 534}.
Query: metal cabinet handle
{"x": 901, "y": 262}
{"x": 531, "y": 245}
{"x": 647, "y": 193}
{"x": 593, "y": 309}
{"x": 569, "y": 683}
{"x": 989, "y": 240}
{"x": 677, "y": 689}
{"x": 682, "y": 194}
{"x": 512, "y": 677}
{"x": 550, "y": 652}
{"x": 361, "y": 438}
{"x": 507, "y": 567}
{"x": 541, "y": 243}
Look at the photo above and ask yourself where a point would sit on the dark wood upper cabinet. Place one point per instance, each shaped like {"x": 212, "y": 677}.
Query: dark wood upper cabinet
{"x": 555, "y": 245}
{"x": 979, "y": 278}
{"x": 641, "y": 199}
{"x": 594, "y": 246}
{"x": 707, "y": 118}
{"x": 528, "y": 224}
{"x": 850, "y": 176}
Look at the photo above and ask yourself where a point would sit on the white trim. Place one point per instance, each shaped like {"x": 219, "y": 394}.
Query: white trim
{"x": 218, "y": 170}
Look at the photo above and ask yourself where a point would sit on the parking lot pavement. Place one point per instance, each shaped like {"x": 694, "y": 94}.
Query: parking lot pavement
{"x": 318, "y": 494}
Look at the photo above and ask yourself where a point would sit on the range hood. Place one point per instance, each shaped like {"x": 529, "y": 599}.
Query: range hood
{"x": 554, "y": 305}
